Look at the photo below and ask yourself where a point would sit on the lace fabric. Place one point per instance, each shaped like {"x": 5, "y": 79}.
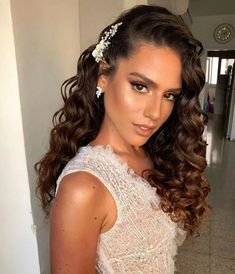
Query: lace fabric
{"x": 143, "y": 239}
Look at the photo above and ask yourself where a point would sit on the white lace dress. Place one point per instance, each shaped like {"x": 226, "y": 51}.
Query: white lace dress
{"x": 143, "y": 239}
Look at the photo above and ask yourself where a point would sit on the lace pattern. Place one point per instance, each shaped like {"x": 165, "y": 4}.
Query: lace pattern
{"x": 143, "y": 239}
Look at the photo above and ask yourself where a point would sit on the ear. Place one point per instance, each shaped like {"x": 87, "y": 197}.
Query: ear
{"x": 102, "y": 82}
{"x": 103, "y": 79}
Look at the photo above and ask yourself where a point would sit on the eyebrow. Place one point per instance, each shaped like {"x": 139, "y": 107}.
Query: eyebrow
{"x": 151, "y": 82}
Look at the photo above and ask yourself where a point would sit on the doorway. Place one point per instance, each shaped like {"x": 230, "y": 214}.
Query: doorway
{"x": 219, "y": 88}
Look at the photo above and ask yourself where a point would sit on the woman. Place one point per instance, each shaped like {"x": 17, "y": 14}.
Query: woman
{"x": 126, "y": 152}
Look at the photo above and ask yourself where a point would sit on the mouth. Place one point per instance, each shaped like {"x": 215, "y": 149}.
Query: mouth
{"x": 143, "y": 130}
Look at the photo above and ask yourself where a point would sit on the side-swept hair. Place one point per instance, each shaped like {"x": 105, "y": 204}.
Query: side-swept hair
{"x": 177, "y": 149}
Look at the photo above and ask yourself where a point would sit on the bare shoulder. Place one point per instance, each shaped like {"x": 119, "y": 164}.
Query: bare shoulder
{"x": 77, "y": 217}
{"x": 83, "y": 192}
{"x": 83, "y": 186}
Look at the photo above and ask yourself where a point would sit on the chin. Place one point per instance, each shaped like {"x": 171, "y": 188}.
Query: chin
{"x": 138, "y": 142}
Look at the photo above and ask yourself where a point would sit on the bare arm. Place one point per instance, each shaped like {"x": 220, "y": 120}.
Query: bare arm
{"x": 77, "y": 217}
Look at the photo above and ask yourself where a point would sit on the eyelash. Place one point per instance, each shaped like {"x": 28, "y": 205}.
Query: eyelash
{"x": 134, "y": 84}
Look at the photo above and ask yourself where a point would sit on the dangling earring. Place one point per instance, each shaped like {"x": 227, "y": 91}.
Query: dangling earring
{"x": 98, "y": 91}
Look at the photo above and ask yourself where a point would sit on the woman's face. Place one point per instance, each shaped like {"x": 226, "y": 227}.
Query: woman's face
{"x": 140, "y": 96}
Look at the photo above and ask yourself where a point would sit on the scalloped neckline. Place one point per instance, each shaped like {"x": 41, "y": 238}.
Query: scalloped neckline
{"x": 121, "y": 164}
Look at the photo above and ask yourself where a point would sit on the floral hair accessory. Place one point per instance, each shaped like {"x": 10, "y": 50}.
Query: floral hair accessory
{"x": 97, "y": 53}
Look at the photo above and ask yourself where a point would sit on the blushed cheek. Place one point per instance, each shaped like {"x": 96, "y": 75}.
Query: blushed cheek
{"x": 125, "y": 101}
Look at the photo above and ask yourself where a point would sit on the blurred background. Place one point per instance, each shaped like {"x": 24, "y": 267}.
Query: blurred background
{"x": 40, "y": 44}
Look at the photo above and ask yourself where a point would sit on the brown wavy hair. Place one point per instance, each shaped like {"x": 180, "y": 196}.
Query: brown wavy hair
{"x": 177, "y": 149}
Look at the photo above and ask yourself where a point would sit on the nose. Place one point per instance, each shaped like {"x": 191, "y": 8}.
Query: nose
{"x": 153, "y": 108}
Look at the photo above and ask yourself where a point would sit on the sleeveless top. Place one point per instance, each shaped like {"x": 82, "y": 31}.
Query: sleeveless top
{"x": 143, "y": 239}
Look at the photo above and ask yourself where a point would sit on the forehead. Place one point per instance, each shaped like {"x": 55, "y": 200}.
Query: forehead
{"x": 155, "y": 62}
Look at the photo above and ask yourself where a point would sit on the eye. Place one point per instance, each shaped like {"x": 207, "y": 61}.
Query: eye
{"x": 139, "y": 87}
{"x": 171, "y": 96}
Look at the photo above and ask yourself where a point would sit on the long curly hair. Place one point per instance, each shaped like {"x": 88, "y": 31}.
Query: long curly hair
{"x": 177, "y": 149}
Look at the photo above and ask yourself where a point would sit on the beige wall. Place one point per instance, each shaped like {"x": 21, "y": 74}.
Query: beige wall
{"x": 94, "y": 16}
{"x": 46, "y": 36}
{"x": 203, "y": 28}
{"x": 47, "y": 43}
{"x": 17, "y": 236}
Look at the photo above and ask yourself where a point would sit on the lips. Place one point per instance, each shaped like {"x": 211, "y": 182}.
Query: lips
{"x": 144, "y": 130}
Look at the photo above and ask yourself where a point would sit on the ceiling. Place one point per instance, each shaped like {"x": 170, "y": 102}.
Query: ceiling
{"x": 198, "y": 7}
{"x": 211, "y": 7}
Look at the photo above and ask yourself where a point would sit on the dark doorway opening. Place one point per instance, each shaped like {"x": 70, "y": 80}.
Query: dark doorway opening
{"x": 219, "y": 91}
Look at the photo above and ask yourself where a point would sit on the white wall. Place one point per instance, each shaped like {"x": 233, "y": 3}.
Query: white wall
{"x": 175, "y": 6}
{"x": 203, "y": 28}
{"x": 18, "y": 239}
{"x": 127, "y": 4}
{"x": 94, "y": 16}
{"x": 46, "y": 37}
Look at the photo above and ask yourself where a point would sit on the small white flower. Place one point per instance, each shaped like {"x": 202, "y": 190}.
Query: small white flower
{"x": 97, "y": 53}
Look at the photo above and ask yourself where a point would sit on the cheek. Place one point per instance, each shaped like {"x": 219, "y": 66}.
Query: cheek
{"x": 167, "y": 110}
{"x": 124, "y": 100}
